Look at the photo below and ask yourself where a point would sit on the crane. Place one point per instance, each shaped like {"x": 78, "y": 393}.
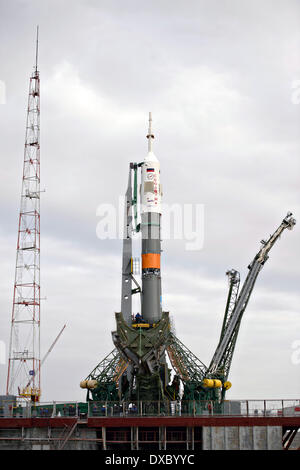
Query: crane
{"x": 236, "y": 306}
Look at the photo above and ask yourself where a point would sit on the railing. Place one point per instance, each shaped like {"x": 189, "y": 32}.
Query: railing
{"x": 259, "y": 408}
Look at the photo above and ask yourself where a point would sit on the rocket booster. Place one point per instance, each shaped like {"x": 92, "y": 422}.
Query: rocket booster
{"x": 151, "y": 233}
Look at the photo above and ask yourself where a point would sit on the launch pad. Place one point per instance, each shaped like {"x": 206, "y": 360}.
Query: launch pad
{"x": 137, "y": 370}
{"x": 109, "y": 426}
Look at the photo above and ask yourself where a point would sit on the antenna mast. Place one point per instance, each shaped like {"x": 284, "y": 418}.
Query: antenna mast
{"x": 24, "y": 348}
{"x": 37, "y": 49}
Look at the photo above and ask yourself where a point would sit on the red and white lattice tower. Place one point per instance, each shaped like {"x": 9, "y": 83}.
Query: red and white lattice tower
{"x": 23, "y": 377}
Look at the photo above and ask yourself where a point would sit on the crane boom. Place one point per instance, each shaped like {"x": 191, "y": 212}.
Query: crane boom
{"x": 242, "y": 300}
{"x": 48, "y": 352}
{"x": 234, "y": 284}
{"x": 52, "y": 345}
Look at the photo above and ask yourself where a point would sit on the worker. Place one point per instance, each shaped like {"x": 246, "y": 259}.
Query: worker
{"x": 95, "y": 410}
{"x": 138, "y": 318}
{"x": 134, "y": 408}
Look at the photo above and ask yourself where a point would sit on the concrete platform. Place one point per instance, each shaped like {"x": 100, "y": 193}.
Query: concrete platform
{"x": 146, "y": 433}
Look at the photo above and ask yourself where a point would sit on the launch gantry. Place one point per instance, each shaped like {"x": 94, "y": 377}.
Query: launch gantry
{"x": 137, "y": 369}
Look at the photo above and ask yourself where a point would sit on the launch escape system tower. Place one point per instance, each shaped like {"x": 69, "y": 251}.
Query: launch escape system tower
{"x": 145, "y": 345}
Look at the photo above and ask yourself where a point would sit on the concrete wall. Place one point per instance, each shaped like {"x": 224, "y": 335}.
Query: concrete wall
{"x": 82, "y": 438}
{"x": 242, "y": 438}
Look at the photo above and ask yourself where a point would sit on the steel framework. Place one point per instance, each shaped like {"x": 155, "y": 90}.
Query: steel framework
{"x": 142, "y": 340}
{"x": 24, "y": 348}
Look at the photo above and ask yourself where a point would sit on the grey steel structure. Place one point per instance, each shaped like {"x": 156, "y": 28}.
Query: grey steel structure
{"x": 126, "y": 295}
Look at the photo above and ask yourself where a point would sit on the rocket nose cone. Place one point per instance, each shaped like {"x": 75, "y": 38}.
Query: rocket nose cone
{"x": 150, "y": 157}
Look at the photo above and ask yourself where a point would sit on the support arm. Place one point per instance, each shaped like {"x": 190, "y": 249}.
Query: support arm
{"x": 226, "y": 345}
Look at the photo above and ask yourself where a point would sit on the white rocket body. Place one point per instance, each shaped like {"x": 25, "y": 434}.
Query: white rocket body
{"x": 151, "y": 187}
{"x": 150, "y": 228}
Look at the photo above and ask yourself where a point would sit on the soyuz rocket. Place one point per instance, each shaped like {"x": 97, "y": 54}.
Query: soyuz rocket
{"x": 138, "y": 367}
{"x": 142, "y": 340}
{"x": 151, "y": 194}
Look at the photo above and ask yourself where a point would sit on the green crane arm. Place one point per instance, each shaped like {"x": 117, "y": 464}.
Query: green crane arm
{"x": 234, "y": 284}
{"x": 222, "y": 357}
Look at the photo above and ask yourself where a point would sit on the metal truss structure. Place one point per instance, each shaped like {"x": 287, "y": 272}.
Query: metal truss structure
{"x": 24, "y": 348}
{"x": 143, "y": 345}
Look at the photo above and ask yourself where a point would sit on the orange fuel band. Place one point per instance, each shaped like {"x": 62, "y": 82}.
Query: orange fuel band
{"x": 151, "y": 260}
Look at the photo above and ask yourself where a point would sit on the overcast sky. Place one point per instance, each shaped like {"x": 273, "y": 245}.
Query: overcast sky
{"x": 221, "y": 79}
